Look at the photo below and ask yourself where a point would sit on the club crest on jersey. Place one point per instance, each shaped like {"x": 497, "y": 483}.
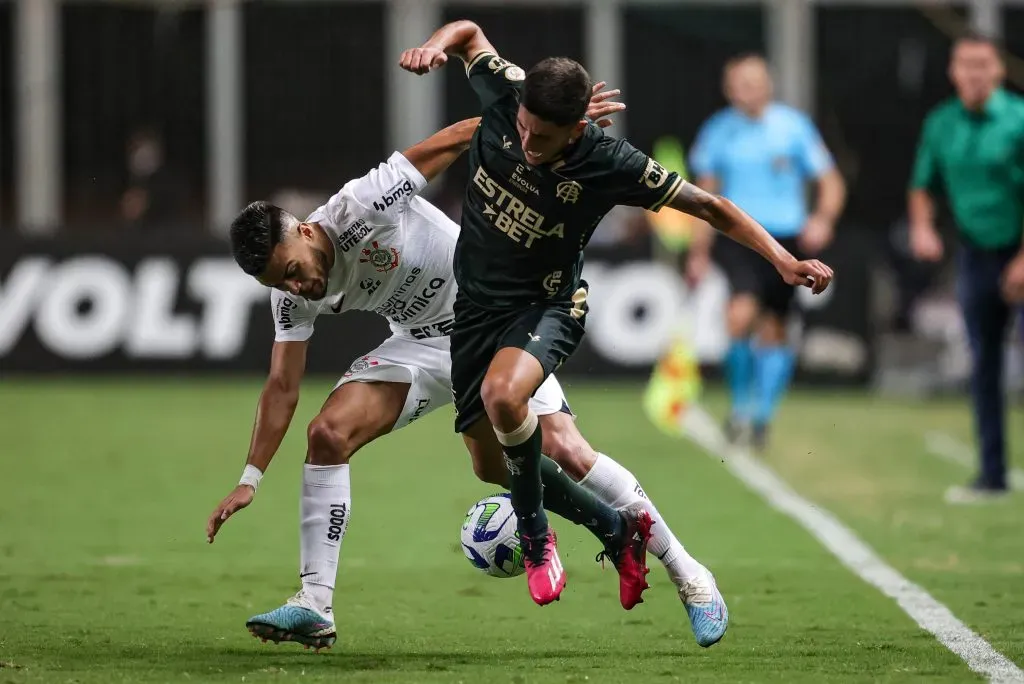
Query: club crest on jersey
{"x": 360, "y": 365}
{"x": 383, "y": 259}
{"x": 568, "y": 192}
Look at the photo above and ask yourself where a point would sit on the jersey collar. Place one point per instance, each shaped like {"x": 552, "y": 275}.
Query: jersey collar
{"x": 579, "y": 149}
{"x": 994, "y": 105}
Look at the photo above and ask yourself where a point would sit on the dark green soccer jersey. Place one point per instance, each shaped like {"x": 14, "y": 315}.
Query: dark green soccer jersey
{"x": 524, "y": 227}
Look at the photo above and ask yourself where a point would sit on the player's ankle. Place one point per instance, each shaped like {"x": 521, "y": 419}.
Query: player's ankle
{"x": 681, "y": 566}
{"x": 619, "y": 531}
{"x": 322, "y": 596}
{"x": 533, "y": 525}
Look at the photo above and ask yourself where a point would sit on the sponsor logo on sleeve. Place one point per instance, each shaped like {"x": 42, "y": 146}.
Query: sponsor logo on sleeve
{"x": 512, "y": 72}
{"x": 285, "y": 307}
{"x": 654, "y": 175}
{"x": 392, "y": 196}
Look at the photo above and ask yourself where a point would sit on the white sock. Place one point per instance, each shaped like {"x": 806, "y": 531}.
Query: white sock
{"x": 619, "y": 488}
{"x": 324, "y": 514}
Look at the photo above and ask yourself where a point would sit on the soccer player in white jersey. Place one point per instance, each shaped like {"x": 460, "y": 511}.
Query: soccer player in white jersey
{"x": 377, "y": 246}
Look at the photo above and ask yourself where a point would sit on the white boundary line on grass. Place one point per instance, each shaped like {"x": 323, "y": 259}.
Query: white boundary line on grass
{"x": 953, "y": 450}
{"x": 928, "y": 613}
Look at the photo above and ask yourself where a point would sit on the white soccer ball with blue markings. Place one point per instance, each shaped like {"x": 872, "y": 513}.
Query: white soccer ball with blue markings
{"x": 490, "y": 539}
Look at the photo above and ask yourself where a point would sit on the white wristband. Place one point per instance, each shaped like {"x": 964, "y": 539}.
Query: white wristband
{"x": 251, "y": 476}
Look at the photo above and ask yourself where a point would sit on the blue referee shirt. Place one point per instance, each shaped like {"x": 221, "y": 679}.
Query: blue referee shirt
{"x": 763, "y": 164}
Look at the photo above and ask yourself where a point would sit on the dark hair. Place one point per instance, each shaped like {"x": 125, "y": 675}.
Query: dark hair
{"x": 973, "y": 36}
{"x": 557, "y": 89}
{"x": 745, "y": 57}
{"x": 254, "y": 234}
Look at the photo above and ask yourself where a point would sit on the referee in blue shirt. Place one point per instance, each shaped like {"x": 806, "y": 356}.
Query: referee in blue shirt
{"x": 761, "y": 155}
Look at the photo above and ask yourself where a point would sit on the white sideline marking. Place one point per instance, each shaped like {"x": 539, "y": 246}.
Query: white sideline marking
{"x": 928, "y": 613}
{"x": 953, "y": 450}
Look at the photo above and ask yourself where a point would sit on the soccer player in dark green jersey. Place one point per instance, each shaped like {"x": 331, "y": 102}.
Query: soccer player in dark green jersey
{"x": 542, "y": 177}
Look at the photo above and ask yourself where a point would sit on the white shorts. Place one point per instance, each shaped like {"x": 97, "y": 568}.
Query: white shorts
{"x": 426, "y": 366}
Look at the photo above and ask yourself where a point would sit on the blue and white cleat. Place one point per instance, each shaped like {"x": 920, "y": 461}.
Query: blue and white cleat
{"x": 709, "y": 616}
{"x": 297, "y": 620}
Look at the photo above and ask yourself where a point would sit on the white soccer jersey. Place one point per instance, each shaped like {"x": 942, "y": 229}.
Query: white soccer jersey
{"x": 392, "y": 255}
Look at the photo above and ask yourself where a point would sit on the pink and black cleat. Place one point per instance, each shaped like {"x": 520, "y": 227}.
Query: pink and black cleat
{"x": 544, "y": 572}
{"x": 630, "y": 557}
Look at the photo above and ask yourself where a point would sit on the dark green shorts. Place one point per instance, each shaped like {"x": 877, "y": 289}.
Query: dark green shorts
{"x": 549, "y": 331}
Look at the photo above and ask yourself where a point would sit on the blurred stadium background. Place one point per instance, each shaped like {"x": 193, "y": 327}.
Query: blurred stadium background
{"x": 132, "y": 131}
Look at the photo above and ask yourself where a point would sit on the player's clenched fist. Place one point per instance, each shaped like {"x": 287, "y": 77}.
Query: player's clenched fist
{"x": 239, "y": 498}
{"x": 422, "y": 59}
{"x": 810, "y": 273}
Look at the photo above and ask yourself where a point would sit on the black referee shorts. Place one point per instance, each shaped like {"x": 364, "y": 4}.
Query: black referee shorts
{"x": 749, "y": 273}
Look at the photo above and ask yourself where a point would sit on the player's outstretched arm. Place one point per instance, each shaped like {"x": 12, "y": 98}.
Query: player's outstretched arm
{"x": 434, "y": 155}
{"x": 274, "y": 414}
{"x": 462, "y": 38}
{"x": 733, "y": 222}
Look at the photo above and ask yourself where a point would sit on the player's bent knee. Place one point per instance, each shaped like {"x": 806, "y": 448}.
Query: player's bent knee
{"x": 502, "y": 400}
{"x": 329, "y": 443}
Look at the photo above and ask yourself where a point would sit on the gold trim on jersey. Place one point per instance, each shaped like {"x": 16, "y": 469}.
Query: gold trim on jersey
{"x": 579, "y": 299}
{"x": 669, "y": 195}
{"x": 480, "y": 55}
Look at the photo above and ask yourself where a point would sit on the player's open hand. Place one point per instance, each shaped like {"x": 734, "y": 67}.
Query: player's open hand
{"x": 599, "y": 108}
{"x": 239, "y": 498}
{"x": 810, "y": 273}
{"x": 422, "y": 59}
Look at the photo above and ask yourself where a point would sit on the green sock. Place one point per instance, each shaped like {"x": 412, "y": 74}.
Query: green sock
{"x": 522, "y": 456}
{"x": 568, "y": 499}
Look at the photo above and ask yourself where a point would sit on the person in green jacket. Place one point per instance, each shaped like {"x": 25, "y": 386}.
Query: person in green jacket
{"x": 972, "y": 152}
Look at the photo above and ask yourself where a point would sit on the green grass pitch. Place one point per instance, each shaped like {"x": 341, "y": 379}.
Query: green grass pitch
{"x": 105, "y": 575}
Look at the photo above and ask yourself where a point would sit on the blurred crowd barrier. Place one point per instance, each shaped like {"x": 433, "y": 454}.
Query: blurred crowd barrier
{"x": 172, "y": 303}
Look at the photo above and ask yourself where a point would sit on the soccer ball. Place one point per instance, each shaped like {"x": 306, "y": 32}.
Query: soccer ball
{"x": 490, "y": 539}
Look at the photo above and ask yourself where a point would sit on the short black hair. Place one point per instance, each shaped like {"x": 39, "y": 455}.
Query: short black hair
{"x": 254, "y": 234}
{"x": 749, "y": 56}
{"x": 557, "y": 89}
{"x": 975, "y": 36}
